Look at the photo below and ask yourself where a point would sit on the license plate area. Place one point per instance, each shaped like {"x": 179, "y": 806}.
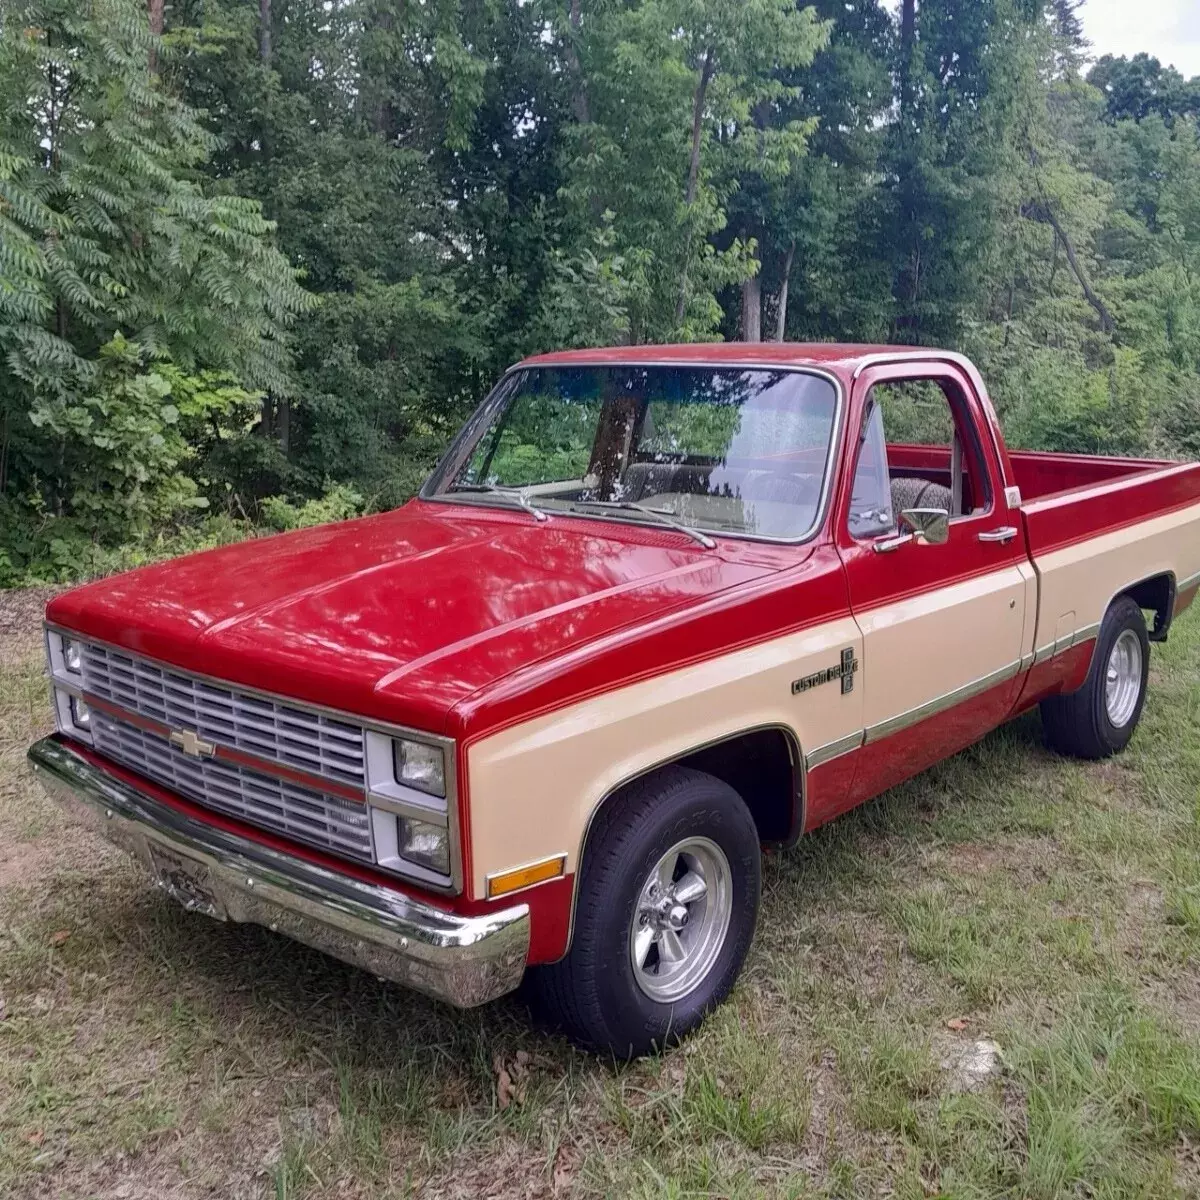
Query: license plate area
{"x": 185, "y": 880}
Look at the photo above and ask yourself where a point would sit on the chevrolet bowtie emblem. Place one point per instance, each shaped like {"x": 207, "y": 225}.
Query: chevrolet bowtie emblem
{"x": 192, "y": 744}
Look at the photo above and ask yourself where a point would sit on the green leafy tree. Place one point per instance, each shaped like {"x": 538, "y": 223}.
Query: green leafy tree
{"x": 671, "y": 90}
{"x": 106, "y": 234}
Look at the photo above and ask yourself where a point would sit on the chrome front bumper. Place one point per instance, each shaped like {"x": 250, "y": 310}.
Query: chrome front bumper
{"x": 464, "y": 961}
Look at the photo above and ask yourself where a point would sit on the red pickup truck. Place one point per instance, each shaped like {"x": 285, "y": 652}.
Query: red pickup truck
{"x": 655, "y": 608}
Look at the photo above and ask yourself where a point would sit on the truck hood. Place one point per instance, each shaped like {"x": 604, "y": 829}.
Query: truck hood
{"x": 402, "y": 615}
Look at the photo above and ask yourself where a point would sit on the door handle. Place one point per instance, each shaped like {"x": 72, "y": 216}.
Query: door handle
{"x": 1005, "y": 533}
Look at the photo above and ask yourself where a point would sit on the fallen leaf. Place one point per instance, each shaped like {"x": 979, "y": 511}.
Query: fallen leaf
{"x": 57, "y": 939}
{"x": 36, "y": 1138}
{"x": 563, "y": 1174}
{"x": 958, "y": 1024}
{"x": 676, "y": 1075}
{"x": 505, "y": 1092}
{"x": 510, "y": 1079}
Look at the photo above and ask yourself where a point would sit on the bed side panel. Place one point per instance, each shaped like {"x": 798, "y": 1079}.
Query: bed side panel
{"x": 1089, "y": 547}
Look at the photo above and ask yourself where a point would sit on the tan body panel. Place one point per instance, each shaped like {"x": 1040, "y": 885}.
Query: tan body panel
{"x": 536, "y": 785}
{"x": 940, "y": 642}
{"x": 1078, "y": 582}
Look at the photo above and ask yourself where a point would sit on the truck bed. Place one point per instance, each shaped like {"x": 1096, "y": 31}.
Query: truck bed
{"x": 1092, "y": 525}
{"x": 1039, "y": 474}
{"x": 1090, "y": 541}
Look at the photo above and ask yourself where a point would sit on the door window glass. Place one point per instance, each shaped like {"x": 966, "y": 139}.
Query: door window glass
{"x": 871, "y": 498}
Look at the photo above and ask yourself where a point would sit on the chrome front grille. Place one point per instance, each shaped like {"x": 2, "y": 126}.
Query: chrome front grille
{"x": 317, "y": 818}
{"x": 267, "y": 728}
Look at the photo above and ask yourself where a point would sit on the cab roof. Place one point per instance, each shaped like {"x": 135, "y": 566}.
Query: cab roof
{"x": 830, "y": 355}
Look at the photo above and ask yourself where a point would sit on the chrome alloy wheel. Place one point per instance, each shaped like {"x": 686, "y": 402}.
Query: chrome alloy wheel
{"x": 1123, "y": 680}
{"x": 681, "y": 919}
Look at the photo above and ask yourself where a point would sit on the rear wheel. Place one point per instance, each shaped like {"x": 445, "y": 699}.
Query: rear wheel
{"x": 1099, "y": 719}
{"x": 668, "y": 899}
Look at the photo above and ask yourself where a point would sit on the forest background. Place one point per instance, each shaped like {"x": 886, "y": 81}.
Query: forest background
{"x": 258, "y": 258}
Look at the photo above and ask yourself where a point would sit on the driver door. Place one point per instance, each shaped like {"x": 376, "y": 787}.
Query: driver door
{"x": 943, "y": 625}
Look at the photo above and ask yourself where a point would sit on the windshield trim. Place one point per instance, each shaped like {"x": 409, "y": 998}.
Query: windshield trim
{"x": 466, "y": 437}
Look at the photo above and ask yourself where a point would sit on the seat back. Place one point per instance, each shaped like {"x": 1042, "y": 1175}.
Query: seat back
{"x": 912, "y": 492}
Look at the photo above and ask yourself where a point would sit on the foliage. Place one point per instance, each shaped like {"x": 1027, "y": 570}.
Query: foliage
{"x": 283, "y": 248}
{"x": 338, "y": 503}
{"x": 64, "y": 549}
{"x": 123, "y": 278}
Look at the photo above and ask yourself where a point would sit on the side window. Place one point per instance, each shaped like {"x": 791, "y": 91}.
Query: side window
{"x": 921, "y": 433}
{"x": 871, "y": 498}
{"x": 915, "y": 412}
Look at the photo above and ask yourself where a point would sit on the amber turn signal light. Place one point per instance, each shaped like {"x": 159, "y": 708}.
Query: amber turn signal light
{"x": 523, "y": 877}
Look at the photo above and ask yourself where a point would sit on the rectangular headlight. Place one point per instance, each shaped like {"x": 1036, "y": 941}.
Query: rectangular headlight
{"x": 425, "y": 844}
{"x": 420, "y": 765}
{"x": 66, "y": 657}
{"x": 72, "y": 654}
{"x": 73, "y": 717}
{"x": 411, "y": 797}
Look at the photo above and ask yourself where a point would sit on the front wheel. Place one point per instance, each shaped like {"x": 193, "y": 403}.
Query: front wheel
{"x": 668, "y": 900}
{"x": 1098, "y": 720}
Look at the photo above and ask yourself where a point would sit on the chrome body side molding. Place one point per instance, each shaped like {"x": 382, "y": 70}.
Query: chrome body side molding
{"x": 832, "y": 750}
{"x": 902, "y": 721}
{"x": 940, "y": 703}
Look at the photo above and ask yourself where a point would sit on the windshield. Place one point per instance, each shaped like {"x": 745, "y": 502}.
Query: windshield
{"x": 742, "y": 452}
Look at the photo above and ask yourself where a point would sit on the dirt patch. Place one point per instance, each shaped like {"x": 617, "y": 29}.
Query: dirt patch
{"x": 1179, "y": 997}
{"x": 21, "y": 614}
{"x": 827, "y": 1115}
{"x": 510, "y": 1171}
{"x": 1028, "y": 858}
{"x": 1187, "y": 1167}
{"x": 126, "y": 1180}
{"x": 20, "y": 864}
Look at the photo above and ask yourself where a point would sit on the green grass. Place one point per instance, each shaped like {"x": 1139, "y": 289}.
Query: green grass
{"x": 1049, "y": 906}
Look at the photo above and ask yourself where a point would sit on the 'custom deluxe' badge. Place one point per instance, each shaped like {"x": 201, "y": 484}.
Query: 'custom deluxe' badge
{"x": 845, "y": 671}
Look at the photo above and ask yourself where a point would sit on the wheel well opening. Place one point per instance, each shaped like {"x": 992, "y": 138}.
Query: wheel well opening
{"x": 1156, "y": 595}
{"x": 763, "y": 767}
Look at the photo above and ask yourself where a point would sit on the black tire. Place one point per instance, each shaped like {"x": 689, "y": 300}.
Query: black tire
{"x": 593, "y": 994}
{"x": 1079, "y": 723}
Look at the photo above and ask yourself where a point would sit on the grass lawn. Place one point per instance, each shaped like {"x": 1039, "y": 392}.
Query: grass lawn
{"x": 1009, "y": 896}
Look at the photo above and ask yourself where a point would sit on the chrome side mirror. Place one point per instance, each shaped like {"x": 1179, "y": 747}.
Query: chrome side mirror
{"x": 927, "y": 527}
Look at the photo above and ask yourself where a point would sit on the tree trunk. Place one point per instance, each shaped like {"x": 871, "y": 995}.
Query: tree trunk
{"x": 706, "y": 74}
{"x": 4, "y": 457}
{"x": 908, "y": 37}
{"x": 283, "y": 424}
{"x": 752, "y": 309}
{"x": 781, "y": 314}
{"x": 579, "y": 101}
{"x": 693, "y": 181}
{"x": 908, "y": 23}
{"x": 264, "y": 32}
{"x": 1042, "y": 211}
{"x": 264, "y": 57}
{"x": 155, "y": 10}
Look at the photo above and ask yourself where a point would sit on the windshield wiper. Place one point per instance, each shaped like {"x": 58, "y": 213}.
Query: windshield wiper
{"x": 659, "y": 514}
{"x": 512, "y": 493}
